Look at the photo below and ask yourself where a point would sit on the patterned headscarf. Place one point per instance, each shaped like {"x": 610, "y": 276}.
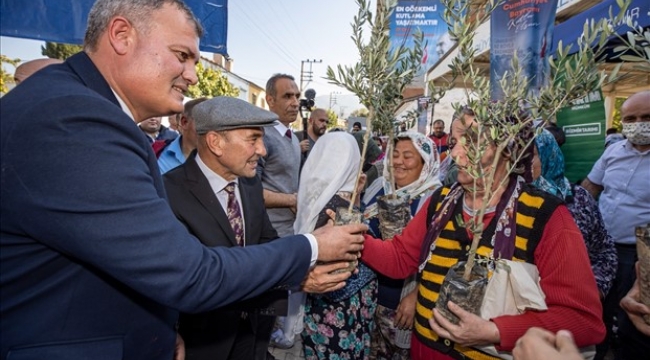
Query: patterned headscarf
{"x": 430, "y": 174}
{"x": 552, "y": 178}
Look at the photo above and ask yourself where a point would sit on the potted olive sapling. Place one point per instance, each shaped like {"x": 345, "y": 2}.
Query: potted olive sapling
{"x": 380, "y": 76}
{"x": 501, "y": 124}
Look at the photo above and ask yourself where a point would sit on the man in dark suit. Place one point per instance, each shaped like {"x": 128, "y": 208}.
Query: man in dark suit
{"x": 230, "y": 133}
{"x": 93, "y": 262}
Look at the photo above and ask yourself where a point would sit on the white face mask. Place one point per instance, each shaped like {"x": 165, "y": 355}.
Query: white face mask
{"x": 637, "y": 133}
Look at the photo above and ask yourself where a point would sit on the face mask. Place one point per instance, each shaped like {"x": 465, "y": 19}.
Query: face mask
{"x": 637, "y": 133}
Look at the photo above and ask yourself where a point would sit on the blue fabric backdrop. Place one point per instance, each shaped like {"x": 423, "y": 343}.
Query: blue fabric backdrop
{"x": 65, "y": 21}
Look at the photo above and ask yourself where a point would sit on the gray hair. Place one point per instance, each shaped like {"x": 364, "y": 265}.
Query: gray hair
{"x": 136, "y": 11}
{"x": 270, "y": 84}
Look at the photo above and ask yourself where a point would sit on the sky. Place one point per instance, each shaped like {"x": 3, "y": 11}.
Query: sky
{"x": 267, "y": 37}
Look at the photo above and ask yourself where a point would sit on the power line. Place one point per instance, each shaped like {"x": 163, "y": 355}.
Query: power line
{"x": 310, "y": 49}
{"x": 307, "y": 76}
{"x": 277, "y": 47}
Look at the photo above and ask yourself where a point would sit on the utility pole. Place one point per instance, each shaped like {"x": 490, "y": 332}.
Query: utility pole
{"x": 333, "y": 99}
{"x": 307, "y": 76}
{"x": 342, "y": 111}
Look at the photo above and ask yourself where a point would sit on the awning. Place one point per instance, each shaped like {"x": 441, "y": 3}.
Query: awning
{"x": 65, "y": 21}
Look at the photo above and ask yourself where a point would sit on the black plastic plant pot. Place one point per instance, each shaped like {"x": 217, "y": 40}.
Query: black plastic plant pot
{"x": 643, "y": 253}
{"x": 394, "y": 214}
{"x": 343, "y": 217}
{"x": 466, "y": 294}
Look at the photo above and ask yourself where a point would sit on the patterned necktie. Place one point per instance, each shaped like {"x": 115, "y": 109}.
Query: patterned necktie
{"x": 288, "y": 134}
{"x": 234, "y": 214}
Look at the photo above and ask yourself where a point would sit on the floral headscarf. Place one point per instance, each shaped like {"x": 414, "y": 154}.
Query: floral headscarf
{"x": 430, "y": 174}
{"x": 552, "y": 178}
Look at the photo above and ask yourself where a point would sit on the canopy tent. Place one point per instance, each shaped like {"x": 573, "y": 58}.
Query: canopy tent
{"x": 65, "y": 21}
{"x": 571, "y": 30}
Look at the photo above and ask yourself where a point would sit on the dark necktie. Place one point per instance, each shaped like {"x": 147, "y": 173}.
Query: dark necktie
{"x": 234, "y": 214}
{"x": 288, "y": 134}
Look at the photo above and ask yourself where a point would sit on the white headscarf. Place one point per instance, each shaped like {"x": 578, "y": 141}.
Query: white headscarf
{"x": 429, "y": 176}
{"x": 331, "y": 167}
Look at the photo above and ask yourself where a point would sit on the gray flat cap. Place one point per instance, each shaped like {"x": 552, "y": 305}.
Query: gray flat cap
{"x": 228, "y": 113}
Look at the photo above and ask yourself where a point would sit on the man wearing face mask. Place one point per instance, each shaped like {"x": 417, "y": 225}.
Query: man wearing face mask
{"x": 620, "y": 177}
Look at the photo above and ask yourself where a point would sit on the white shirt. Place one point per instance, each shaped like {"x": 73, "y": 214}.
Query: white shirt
{"x": 218, "y": 184}
{"x": 123, "y": 105}
{"x": 281, "y": 128}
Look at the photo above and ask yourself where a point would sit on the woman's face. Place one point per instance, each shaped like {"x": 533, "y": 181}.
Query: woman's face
{"x": 536, "y": 165}
{"x": 407, "y": 163}
{"x": 467, "y": 131}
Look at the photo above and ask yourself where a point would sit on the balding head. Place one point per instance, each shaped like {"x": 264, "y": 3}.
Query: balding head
{"x": 318, "y": 121}
{"x": 26, "y": 69}
{"x": 642, "y": 97}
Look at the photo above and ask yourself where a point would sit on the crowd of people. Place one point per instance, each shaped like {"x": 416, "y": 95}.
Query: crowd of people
{"x": 213, "y": 239}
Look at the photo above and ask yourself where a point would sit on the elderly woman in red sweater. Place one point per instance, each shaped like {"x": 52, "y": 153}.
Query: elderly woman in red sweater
{"x": 533, "y": 227}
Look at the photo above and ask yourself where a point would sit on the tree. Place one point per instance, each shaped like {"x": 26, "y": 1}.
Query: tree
{"x": 361, "y": 112}
{"x": 333, "y": 119}
{"x": 211, "y": 83}
{"x": 502, "y": 123}
{"x": 381, "y": 74}
{"x": 5, "y": 77}
{"x": 616, "y": 120}
{"x": 60, "y": 51}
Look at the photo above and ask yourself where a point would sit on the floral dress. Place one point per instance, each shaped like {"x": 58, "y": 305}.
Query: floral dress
{"x": 338, "y": 324}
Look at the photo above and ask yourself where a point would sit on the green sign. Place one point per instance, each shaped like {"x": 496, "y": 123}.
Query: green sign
{"x": 584, "y": 126}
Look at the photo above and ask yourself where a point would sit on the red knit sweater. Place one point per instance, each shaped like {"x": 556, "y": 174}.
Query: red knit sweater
{"x": 566, "y": 278}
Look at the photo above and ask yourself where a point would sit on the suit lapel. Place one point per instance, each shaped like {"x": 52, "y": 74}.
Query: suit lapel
{"x": 246, "y": 206}
{"x": 200, "y": 188}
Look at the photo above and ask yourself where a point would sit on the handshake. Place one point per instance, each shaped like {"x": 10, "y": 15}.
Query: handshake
{"x": 337, "y": 247}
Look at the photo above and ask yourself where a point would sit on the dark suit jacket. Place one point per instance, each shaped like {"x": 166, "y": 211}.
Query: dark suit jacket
{"x": 195, "y": 205}
{"x": 93, "y": 263}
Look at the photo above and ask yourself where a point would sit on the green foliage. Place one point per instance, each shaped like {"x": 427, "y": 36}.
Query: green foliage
{"x": 211, "y": 83}
{"x": 5, "y": 77}
{"x": 505, "y": 122}
{"x": 60, "y": 51}
{"x": 410, "y": 118}
{"x": 616, "y": 119}
{"x": 361, "y": 112}
{"x": 381, "y": 74}
{"x": 332, "y": 117}
{"x": 636, "y": 46}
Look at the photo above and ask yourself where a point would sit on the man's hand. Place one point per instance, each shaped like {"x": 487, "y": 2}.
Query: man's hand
{"x": 539, "y": 344}
{"x": 472, "y": 330}
{"x": 320, "y": 280}
{"x": 406, "y": 311}
{"x": 304, "y": 145}
{"x": 179, "y": 352}
{"x": 634, "y": 308}
{"x": 339, "y": 242}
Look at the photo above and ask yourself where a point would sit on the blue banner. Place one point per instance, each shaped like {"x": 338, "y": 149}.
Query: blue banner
{"x": 638, "y": 12}
{"x": 524, "y": 27}
{"x": 65, "y": 21}
{"x": 425, "y": 15}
